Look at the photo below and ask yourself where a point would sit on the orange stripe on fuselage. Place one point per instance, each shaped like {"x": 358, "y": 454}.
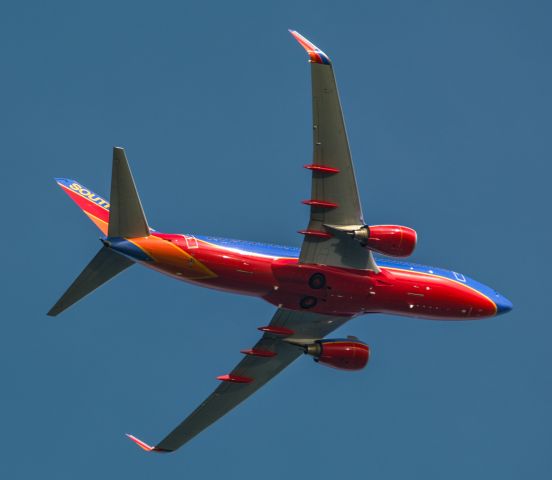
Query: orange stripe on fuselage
{"x": 172, "y": 259}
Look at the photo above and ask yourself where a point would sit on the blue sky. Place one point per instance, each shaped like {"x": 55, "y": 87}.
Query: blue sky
{"x": 448, "y": 112}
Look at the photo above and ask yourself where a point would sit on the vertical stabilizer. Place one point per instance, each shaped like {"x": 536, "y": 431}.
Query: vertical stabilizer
{"x": 126, "y": 215}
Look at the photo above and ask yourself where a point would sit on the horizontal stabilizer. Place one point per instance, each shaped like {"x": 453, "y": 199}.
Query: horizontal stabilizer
{"x": 103, "y": 267}
{"x": 126, "y": 215}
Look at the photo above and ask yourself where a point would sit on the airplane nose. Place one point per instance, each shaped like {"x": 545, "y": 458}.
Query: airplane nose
{"x": 503, "y": 305}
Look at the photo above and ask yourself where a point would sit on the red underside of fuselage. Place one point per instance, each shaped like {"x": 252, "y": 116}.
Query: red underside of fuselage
{"x": 284, "y": 282}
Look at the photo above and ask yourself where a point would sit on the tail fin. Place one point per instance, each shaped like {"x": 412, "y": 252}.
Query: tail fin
{"x": 95, "y": 207}
{"x": 127, "y": 218}
{"x": 123, "y": 218}
{"x": 103, "y": 267}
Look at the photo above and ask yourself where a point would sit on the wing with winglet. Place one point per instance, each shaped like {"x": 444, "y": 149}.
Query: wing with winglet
{"x": 335, "y": 213}
{"x": 273, "y": 352}
{"x": 335, "y": 209}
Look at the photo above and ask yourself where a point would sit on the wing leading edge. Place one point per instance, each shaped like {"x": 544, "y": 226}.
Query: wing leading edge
{"x": 272, "y": 353}
{"x": 334, "y": 198}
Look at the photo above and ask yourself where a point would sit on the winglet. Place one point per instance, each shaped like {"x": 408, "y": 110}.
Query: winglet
{"x": 145, "y": 446}
{"x": 137, "y": 441}
{"x": 316, "y": 55}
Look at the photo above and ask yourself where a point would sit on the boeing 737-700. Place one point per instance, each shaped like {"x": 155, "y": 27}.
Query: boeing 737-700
{"x": 333, "y": 278}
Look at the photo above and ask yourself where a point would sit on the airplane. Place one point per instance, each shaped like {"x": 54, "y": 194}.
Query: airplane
{"x": 345, "y": 268}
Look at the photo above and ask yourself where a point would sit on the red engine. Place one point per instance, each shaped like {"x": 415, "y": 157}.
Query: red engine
{"x": 343, "y": 354}
{"x": 393, "y": 240}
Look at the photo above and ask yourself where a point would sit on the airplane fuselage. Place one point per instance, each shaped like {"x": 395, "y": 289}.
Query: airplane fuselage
{"x": 272, "y": 272}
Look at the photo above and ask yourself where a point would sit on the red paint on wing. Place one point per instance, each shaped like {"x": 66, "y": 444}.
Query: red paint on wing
{"x": 277, "y": 330}
{"x": 319, "y": 203}
{"x": 321, "y": 168}
{"x": 234, "y": 379}
{"x": 316, "y": 233}
{"x": 255, "y": 352}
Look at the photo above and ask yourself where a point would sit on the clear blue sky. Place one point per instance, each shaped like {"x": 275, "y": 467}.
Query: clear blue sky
{"x": 448, "y": 112}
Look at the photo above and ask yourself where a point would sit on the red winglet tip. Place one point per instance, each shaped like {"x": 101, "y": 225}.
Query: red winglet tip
{"x": 142, "y": 445}
{"x": 315, "y": 54}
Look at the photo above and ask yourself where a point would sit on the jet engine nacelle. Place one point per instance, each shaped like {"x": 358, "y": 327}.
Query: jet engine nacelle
{"x": 343, "y": 354}
{"x": 392, "y": 240}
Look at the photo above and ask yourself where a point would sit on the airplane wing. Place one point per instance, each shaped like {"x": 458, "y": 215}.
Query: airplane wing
{"x": 334, "y": 200}
{"x": 272, "y": 353}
